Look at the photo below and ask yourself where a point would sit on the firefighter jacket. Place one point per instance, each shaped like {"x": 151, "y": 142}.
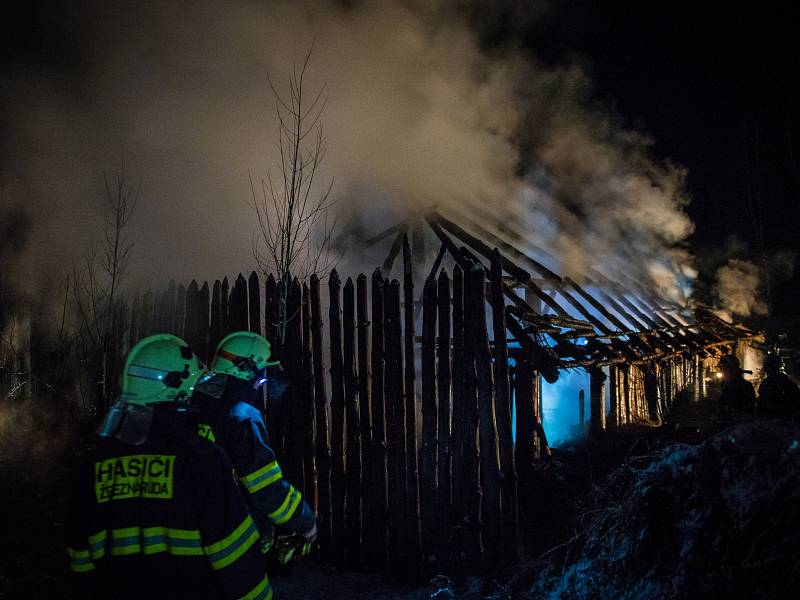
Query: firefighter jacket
{"x": 738, "y": 393}
{"x": 778, "y": 396}
{"x": 163, "y": 519}
{"x": 234, "y": 423}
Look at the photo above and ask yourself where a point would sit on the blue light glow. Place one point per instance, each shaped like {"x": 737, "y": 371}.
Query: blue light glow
{"x": 560, "y": 406}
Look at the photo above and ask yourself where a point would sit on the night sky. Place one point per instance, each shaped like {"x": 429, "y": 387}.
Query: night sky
{"x": 712, "y": 86}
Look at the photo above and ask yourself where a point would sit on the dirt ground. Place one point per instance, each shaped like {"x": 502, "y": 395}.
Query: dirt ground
{"x": 308, "y": 580}
{"x": 32, "y": 554}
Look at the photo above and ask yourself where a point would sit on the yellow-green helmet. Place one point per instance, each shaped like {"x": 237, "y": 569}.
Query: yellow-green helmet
{"x": 244, "y": 355}
{"x": 160, "y": 368}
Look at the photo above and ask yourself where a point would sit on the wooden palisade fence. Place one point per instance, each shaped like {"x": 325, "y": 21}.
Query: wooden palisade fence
{"x": 405, "y": 477}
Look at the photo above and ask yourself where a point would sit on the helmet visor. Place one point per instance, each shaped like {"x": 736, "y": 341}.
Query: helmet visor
{"x": 171, "y": 379}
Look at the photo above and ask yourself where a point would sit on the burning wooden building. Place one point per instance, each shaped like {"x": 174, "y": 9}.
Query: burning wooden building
{"x": 412, "y": 418}
{"x": 638, "y": 347}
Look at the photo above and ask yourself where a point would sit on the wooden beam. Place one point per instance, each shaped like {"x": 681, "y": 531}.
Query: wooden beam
{"x": 386, "y": 269}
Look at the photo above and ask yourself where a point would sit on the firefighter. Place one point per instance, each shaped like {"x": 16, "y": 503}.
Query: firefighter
{"x": 778, "y": 396}
{"x": 737, "y": 392}
{"x": 156, "y": 512}
{"x": 227, "y": 403}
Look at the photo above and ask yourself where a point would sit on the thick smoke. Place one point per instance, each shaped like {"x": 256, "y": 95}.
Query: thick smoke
{"x": 418, "y": 115}
{"x": 738, "y": 289}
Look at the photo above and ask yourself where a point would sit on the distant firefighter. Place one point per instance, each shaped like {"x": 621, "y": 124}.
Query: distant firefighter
{"x": 778, "y": 396}
{"x": 156, "y": 513}
{"x": 736, "y": 392}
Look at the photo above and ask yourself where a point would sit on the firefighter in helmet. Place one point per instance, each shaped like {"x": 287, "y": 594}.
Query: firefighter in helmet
{"x": 226, "y": 399}
{"x": 155, "y": 512}
{"x": 737, "y": 393}
{"x": 778, "y": 396}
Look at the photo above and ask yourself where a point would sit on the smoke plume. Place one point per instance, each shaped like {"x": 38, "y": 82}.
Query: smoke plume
{"x": 738, "y": 288}
{"x": 418, "y": 115}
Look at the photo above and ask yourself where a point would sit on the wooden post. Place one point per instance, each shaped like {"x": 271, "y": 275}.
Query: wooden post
{"x": 503, "y": 407}
{"x": 651, "y": 390}
{"x": 254, "y": 302}
{"x": 664, "y": 400}
{"x": 597, "y": 401}
{"x": 352, "y": 541}
{"x": 615, "y": 388}
{"x": 271, "y": 312}
{"x": 376, "y": 506}
{"x": 428, "y": 452}
{"x": 395, "y": 430}
{"x": 541, "y": 448}
{"x": 412, "y": 469}
{"x": 670, "y": 373}
{"x": 338, "y": 487}
{"x": 614, "y": 393}
{"x": 641, "y": 405}
{"x": 443, "y": 459}
{"x": 292, "y": 433}
{"x": 524, "y": 398}
{"x": 170, "y": 324}
{"x": 386, "y": 269}
{"x": 224, "y": 297}
{"x": 613, "y": 400}
{"x": 215, "y": 333}
{"x": 688, "y": 368}
{"x": 699, "y": 378}
{"x": 582, "y": 412}
{"x": 322, "y": 445}
{"x": 277, "y": 406}
{"x": 237, "y": 309}
{"x": 491, "y": 494}
{"x": 466, "y": 464}
{"x": 193, "y": 325}
{"x": 458, "y": 489}
{"x": 307, "y": 401}
{"x": 626, "y": 386}
{"x": 190, "y": 327}
{"x": 469, "y": 436}
{"x": 180, "y": 313}
{"x": 365, "y": 416}
{"x": 272, "y": 402}
{"x": 203, "y": 301}
{"x": 362, "y": 327}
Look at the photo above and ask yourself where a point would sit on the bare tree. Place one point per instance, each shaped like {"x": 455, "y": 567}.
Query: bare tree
{"x": 15, "y": 357}
{"x": 294, "y": 233}
{"x": 96, "y": 285}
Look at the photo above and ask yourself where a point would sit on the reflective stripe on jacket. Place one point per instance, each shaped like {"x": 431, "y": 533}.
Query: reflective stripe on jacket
{"x": 239, "y": 428}
{"x": 163, "y": 520}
